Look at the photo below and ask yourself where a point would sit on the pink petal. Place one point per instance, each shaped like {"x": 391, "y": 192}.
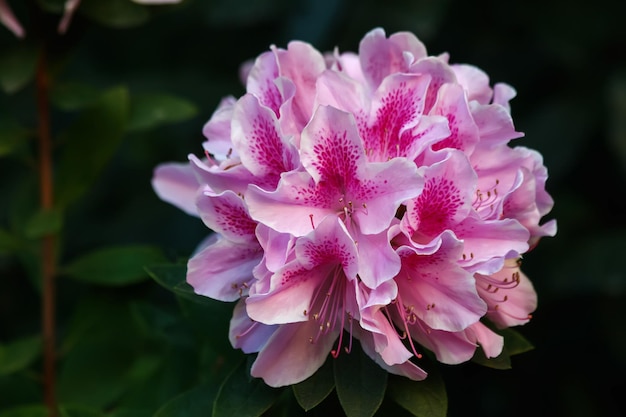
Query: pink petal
{"x": 451, "y": 348}
{"x": 515, "y": 298}
{"x": 176, "y": 183}
{"x": 474, "y": 81}
{"x": 217, "y": 130}
{"x": 491, "y": 342}
{"x": 246, "y": 334}
{"x": 397, "y": 107}
{"x": 223, "y": 270}
{"x": 70, "y": 8}
{"x": 226, "y": 214}
{"x": 440, "y": 73}
{"x": 8, "y": 19}
{"x": 289, "y": 357}
{"x": 301, "y": 64}
{"x": 259, "y": 142}
{"x": 453, "y": 105}
{"x": 261, "y": 81}
{"x": 441, "y": 293}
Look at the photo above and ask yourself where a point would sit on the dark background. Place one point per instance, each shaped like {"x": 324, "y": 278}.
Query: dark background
{"x": 567, "y": 61}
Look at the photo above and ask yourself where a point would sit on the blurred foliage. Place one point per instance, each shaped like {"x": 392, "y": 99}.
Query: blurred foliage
{"x": 131, "y": 87}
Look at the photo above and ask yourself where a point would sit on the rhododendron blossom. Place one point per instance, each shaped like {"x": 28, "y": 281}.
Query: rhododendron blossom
{"x": 372, "y": 196}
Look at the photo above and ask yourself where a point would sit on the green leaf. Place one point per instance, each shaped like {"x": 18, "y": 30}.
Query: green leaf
{"x": 53, "y": 6}
{"x": 77, "y": 411}
{"x": 196, "y": 402}
{"x": 243, "y": 396}
{"x": 90, "y": 143}
{"x": 313, "y": 390}
{"x": 12, "y": 137}
{"x": 117, "y": 14}
{"x": 73, "y": 96}
{"x": 19, "y": 354}
{"x": 150, "y": 110}
{"x": 115, "y": 266}
{"x": 173, "y": 277}
{"x": 514, "y": 342}
{"x": 502, "y": 361}
{"x": 360, "y": 383}
{"x": 17, "y": 67}
{"x": 8, "y": 242}
{"x": 425, "y": 398}
{"x": 33, "y": 410}
{"x": 44, "y": 223}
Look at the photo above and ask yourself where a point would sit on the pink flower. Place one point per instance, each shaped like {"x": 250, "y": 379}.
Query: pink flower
{"x": 372, "y": 196}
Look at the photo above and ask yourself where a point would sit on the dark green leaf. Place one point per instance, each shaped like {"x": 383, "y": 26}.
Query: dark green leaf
{"x": 8, "y": 242}
{"x": 502, "y": 361}
{"x": 17, "y": 66}
{"x": 76, "y": 411}
{"x": 514, "y": 342}
{"x": 425, "y": 398}
{"x": 115, "y": 13}
{"x": 34, "y": 410}
{"x": 54, "y": 6}
{"x": 73, "y": 96}
{"x": 151, "y": 110}
{"x": 243, "y": 396}
{"x": 44, "y": 223}
{"x": 195, "y": 402}
{"x": 120, "y": 265}
{"x": 173, "y": 278}
{"x": 90, "y": 143}
{"x": 313, "y": 390}
{"x": 19, "y": 354}
{"x": 360, "y": 383}
{"x": 12, "y": 137}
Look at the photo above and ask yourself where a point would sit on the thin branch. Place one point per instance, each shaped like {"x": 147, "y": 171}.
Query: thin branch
{"x": 48, "y": 261}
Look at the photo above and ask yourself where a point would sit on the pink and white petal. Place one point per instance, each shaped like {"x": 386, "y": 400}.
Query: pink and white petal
{"x": 381, "y": 57}
{"x": 488, "y": 242}
{"x": 407, "y": 369}
{"x": 261, "y": 81}
{"x": 474, "y": 81}
{"x": 68, "y": 11}
{"x": 277, "y": 247}
{"x": 451, "y": 348}
{"x": 258, "y": 140}
{"x": 495, "y": 124}
{"x": 289, "y": 357}
{"x": 226, "y": 214}
{"x": 223, "y": 270}
{"x": 8, "y": 19}
{"x": 224, "y": 177}
{"x": 176, "y": 184}
{"x": 339, "y": 90}
{"x": 331, "y": 149}
{"x": 429, "y": 131}
{"x": 440, "y": 73}
{"x": 289, "y": 296}
{"x": 296, "y": 206}
{"x": 502, "y": 94}
{"x": 217, "y": 130}
{"x": 378, "y": 261}
{"x": 384, "y": 187}
{"x": 446, "y": 196}
{"x": 302, "y": 64}
{"x": 442, "y": 294}
{"x": 385, "y": 337}
{"x": 329, "y": 243}
{"x": 491, "y": 342}
{"x": 515, "y": 300}
{"x": 397, "y": 106}
{"x": 452, "y": 103}
{"x": 246, "y": 334}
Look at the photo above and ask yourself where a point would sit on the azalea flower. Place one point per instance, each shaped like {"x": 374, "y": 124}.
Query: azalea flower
{"x": 372, "y": 195}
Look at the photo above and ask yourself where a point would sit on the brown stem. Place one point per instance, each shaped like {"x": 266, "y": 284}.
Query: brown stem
{"x": 48, "y": 264}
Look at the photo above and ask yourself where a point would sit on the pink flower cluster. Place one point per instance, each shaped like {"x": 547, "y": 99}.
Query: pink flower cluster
{"x": 370, "y": 196}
